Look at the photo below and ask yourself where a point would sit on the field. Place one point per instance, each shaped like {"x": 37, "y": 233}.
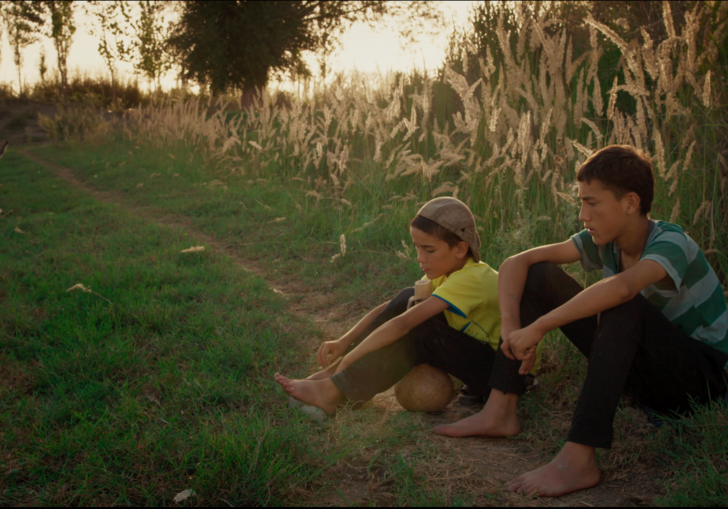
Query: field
{"x": 165, "y": 365}
{"x": 133, "y": 369}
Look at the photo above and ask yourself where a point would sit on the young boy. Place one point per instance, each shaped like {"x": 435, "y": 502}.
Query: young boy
{"x": 457, "y": 329}
{"x": 656, "y": 326}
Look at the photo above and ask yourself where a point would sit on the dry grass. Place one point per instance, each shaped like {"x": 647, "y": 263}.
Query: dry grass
{"x": 529, "y": 125}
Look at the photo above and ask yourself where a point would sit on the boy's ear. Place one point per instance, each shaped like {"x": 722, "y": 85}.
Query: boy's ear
{"x": 462, "y": 249}
{"x": 632, "y": 202}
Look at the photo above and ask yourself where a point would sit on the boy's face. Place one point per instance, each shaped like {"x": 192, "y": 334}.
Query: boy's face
{"x": 603, "y": 214}
{"x": 435, "y": 256}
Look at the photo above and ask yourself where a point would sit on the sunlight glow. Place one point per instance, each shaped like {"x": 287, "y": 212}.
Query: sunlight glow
{"x": 362, "y": 48}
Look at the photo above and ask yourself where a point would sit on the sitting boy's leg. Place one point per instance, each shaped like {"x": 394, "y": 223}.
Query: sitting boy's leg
{"x": 319, "y": 389}
{"x": 378, "y": 370}
{"x": 433, "y": 342}
{"x": 638, "y": 349}
{"x": 321, "y": 393}
{"x": 547, "y": 287}
{"x": 396, "y": 307}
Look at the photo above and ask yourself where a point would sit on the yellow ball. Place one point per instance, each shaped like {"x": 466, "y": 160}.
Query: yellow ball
{"x": 424, "y": 389}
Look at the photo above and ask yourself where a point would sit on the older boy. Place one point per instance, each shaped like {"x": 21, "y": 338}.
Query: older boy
{"x": 655, "y": 327}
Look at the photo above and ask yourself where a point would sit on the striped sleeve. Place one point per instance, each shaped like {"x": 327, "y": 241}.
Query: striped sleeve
{"x": 670, "y": 250}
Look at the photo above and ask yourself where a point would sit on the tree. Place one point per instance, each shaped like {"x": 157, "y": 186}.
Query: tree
{"x": 153, "y": 60}
{"x": 237, "y": 44}
{"x": 111, "y": 20}
{"x": 18, "y": 20}
{"x": 42, "y": 66}
{"x": 55, "y": 18}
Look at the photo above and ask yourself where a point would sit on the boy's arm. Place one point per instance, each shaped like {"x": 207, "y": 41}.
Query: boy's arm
{"x": 394, "y": 329}
{"x": 362, "y": 324}
{"x": 512, "y": 278}
{"x": 599, "y": 297}
{"x": 329, "y": 351}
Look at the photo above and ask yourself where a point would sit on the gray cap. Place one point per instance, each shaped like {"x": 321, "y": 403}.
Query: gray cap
{"x": 455, "y": 216}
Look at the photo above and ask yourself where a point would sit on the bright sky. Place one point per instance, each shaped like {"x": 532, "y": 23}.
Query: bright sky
{"x": 362, "y": 48}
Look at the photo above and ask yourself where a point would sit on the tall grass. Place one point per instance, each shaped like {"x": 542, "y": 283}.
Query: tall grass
{"x": 516, "y": 137}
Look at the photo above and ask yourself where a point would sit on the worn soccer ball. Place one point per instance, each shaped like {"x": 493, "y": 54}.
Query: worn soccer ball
{"x": 424, "y": 389}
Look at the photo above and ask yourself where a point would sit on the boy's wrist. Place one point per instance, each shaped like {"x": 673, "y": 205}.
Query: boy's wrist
{"x": 542, "y": 325}
{"x": 511, "y": 320}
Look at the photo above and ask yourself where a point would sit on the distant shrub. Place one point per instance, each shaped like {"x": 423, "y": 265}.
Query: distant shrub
{"x": 74, "y": 123}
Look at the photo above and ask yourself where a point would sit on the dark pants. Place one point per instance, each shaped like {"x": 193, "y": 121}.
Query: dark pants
{"x": 432, "y": 342}
{"x": 632, "y": 349}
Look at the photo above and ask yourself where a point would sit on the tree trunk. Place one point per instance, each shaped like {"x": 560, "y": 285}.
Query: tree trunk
{"x": 62, "y": 69}
{"x": 252, "y": 88}
{"x": 113, "y": 90}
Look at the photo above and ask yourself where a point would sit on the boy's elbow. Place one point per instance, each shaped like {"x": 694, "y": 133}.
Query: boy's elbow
{"x": 626, "y": 290}
{"x": 512, "y": 261}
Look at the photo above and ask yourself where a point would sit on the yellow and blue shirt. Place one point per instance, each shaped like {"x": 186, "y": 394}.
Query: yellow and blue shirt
{"x": 472, "y": 296}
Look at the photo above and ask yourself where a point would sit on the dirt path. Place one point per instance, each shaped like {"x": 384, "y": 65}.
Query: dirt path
{"x": 481, "y": 465}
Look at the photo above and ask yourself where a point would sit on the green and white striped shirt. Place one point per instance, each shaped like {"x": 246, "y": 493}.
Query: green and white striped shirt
{"x": 695, "y": 303}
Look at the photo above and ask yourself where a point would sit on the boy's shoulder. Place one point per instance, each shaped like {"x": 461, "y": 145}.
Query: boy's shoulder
{"x": 476, "y": 272}
{"x": 666, "y": 235}
{"x": 477, "y": 269}
{"x": 663, "y": 227}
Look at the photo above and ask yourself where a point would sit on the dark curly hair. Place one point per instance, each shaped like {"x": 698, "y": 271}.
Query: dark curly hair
{"x": 621, "y": 169}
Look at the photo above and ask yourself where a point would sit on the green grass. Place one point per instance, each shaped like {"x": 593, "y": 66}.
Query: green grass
{"x": 696, "y": 448}
{"x": 94, "y": 393}
{"x": 160, "y": 380}
{"x": 244, "y": 216}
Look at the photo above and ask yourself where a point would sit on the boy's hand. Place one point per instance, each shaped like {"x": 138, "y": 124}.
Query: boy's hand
{"x": 508, "y": 326}
{"x": 329, "y": 351}
{"x": 521, "y": 344}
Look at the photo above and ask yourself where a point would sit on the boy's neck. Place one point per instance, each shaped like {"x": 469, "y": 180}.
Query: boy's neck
{"x": 459, "y": 266}
{"x": 634, "y": 236}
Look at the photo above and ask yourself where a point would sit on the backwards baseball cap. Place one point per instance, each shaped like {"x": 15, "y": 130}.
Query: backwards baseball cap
{"x": 454, "y": 216}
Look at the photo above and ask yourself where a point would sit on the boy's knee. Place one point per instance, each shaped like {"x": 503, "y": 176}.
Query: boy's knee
{"x": 401, "y": 300}
{"x": 627, "y": 311}
{"x": 540, "y": 273}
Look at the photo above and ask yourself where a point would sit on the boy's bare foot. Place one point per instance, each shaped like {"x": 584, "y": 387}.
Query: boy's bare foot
{"x": 573, "y": 469}
{"x": 324, "y": 374}
{"x": 497, "y": 419}
{"x": 321, "y": 393}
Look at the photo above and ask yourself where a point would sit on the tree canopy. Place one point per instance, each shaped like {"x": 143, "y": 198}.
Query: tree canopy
{"x": 236, "y": 44}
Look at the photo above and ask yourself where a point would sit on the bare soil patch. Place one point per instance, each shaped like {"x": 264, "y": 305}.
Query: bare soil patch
{"x": 478, "y": 466}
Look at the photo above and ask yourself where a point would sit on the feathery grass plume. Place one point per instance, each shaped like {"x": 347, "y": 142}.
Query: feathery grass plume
{"x": 596, "y": 98}
{"x": 706, "y": 90}
{"x": 672, "y": 172}
{"x": 660, "y": 152}
{"x": 689, "y": 155}
{"x": 515, "y": 74}
{"x": 445, "y": 187}
{"x": 79, "y": 286}
{"x": 667, "y": 18}
{"x": 612, "y": 99}
{"x": 675, "y": 215}
{"x": 581, "y": 148}
{"x": 579, "y": 105}
{"x": 195, "y": 249}
{"x": 698, "y": 213}
{"x": 534, "y": 108}
{"x": 342, "y": 244}
{"x": 595, "y": 130}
